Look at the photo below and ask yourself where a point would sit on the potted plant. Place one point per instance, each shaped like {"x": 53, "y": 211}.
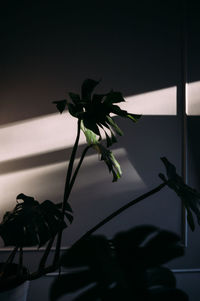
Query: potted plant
{"x": 32, "y": 223}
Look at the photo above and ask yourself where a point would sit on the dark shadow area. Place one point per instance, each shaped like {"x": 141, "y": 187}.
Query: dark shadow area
{"x": 48, "y": 51}
{"x": 29, "y": 162}
{"x": 193, "y": 151}
{"x": 193, "y": 33}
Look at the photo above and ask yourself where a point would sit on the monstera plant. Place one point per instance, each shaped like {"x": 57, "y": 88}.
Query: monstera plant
{"x": 119, "y": 268}
{"x": 32, "y": 223}
{"x": 29, "y": 224}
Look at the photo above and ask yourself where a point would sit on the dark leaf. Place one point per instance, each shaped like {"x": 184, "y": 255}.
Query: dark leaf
{"x": 117, "y": 111}
{"x": 67, "y": 207}
{"x": 75, "y": 98}
{"x": 114, "y": 97}
{"x": 69, "y": 217}
{"x": 87, "y": 88}
{"x": 60, "y": 105}
{"x": 119, "y": 269}
{"x": 73, "y": 110}
{"x": 91, "y": 125}
{"x": 98, "y": 98}
{"x": 170, "y": 168}
{"x": 189, "y": 196}
{"x": 190, "y": 219}
{"x": 113, "y": 138}
{"x": 25, "y": 198}
{"x": 162, "y": 248}
{"x": 108, "y": 140}
{"x": 133, "y": 238}
{"x": 31, "y": 223}
{"x": 160, "y": 276}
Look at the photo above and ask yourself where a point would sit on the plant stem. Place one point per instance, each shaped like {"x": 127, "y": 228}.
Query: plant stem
{"x": 43, "y": 260}
{"x": 46, "y": 253}
{"x": 120, "y": 210}
{"x": 20, "y": 266}
{"x": 48, "y": 248}
{"x": 20, "y": 257}
{"x": 71, "y": 164}
{"x": 77, "y": 169}
{"x": 8, "y": 261}
{"x": 75, "y": 173}
{"x": 12, "y": 255}
{"x": 66, "y": 190}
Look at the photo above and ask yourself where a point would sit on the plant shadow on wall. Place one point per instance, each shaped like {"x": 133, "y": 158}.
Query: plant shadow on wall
{"x": 117, "y": 268}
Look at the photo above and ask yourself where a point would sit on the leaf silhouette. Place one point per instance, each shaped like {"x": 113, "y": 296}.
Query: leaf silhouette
{"x": 189, "y": 196}
{"x": 31, "y": 223}
{"x": 127, "y": 267}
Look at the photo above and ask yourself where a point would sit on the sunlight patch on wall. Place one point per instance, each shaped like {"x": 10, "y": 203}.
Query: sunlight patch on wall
{"x": 193, "y": 98}
{"x": 58, "y": 131}
{"x": 160, "y": 102}
{"x": 47, "y": 182}
{"x": 38, "y": 135}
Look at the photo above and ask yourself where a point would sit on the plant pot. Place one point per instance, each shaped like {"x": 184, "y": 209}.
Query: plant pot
{"x": 13, "y": 286}
{"x": 18, "y": 293}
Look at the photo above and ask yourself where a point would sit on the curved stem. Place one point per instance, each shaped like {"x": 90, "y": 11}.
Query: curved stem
{"x": 120, "y": 210}
{"x": 71, "y": 164}
{"x": 75, "y": 173}
{"x": 12, "y": 255}
{"x": 46, "y": 253}
{"x": 8, "y": 261}
{"x": 48, "y": 248}
{"x": 20, "y": 266}
{"x": 66, "y": 191}
{"x": 77, "y": 169}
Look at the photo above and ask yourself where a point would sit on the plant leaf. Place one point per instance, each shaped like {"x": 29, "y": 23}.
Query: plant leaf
{"x": 90, "y": 135}
{"x": 189, "y": 196}
{"x": 122, "y": 268}
{"x": 60, "y": 105}
{"x": 75, "y": 98}
{"x": 160, "y": 276}
{"x": 114, "y": 126}
{"x": 31, "y": 223}
{"x": 112, "y": 164}
{"x": 91, "y": 125}
{"x": 134, "y": 117}
{"x": 87, "y": 88}
{"x": 162, "y": 248}
{"x": 114, "y": 97}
